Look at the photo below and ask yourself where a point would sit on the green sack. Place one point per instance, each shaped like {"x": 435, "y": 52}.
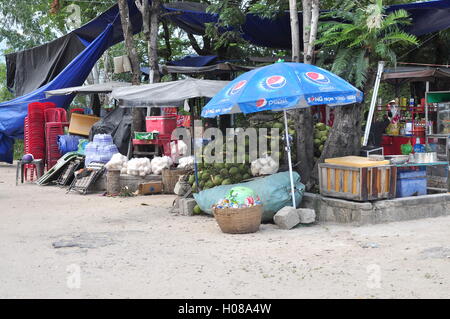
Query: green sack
{"x": 273, "y": 190}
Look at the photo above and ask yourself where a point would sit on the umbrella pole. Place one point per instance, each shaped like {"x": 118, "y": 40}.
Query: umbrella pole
{"x": 288, "y": 147}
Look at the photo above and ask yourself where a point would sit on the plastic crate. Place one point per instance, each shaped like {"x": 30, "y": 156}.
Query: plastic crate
{"x": 164, "y": 124}
{"x": 411, "y": 183}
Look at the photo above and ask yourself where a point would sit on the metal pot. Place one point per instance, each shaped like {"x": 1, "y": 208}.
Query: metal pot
{"x": 429, "y": 157}
{"x": 397, "y": 159}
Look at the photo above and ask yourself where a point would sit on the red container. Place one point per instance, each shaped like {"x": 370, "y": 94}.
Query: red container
{"x": 164, "y": 124}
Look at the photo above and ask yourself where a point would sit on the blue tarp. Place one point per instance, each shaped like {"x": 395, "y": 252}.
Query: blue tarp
{"x": 12, "y": 113}
{"x": 194, "y": 60}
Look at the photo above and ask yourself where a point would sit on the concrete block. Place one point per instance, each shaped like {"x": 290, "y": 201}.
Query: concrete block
{"x": 286, "y": 218}
{"x": 306, "y": 215}
{"x": 187, "y": 206}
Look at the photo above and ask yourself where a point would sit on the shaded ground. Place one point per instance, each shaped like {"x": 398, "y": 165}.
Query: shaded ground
{"x": 134, "y": 248}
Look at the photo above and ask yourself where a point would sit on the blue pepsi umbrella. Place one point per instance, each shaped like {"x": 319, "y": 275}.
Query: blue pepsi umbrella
{"x": 280, "y": 87}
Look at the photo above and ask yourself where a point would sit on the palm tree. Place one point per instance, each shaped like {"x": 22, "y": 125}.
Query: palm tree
{"x": 366, "y": 37}
{"x": 357, "y": 39}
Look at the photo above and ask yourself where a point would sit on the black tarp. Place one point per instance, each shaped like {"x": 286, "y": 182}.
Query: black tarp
{"x": 30, "y": 69}
{"x": 118, "y": 124}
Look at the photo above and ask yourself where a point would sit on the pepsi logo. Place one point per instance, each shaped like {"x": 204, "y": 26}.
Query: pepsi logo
{"x": 261, "y": 102}
{"x": 275, "y": 82}
{"x": 237, "y": 87}
{"x": 318, "y": 78}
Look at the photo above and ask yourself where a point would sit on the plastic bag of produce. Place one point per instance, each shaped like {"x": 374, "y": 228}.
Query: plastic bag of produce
{"x": 274, "y": 191}
{"x": 264, "y": 166}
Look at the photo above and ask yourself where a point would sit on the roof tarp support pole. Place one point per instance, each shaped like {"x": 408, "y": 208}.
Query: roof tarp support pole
{"x": 373, "y": 101}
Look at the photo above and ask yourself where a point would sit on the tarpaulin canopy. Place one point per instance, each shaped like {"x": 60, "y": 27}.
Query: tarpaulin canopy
{"x": 12, "y": 113}
{"x": 194, "y": 60}
{"x": 23, "y": 77}
{"x": 172, "y": 93}
{"x": 414, "y": 74}
{"x": 30, "y": 69}
{"x": 88, "y": 89}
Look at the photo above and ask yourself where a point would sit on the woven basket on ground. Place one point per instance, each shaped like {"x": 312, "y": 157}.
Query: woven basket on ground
{"x": 170, "y": 178}
{"x": 239, "y": 220}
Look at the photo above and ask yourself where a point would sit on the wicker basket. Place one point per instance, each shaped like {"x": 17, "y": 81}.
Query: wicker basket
{"x": 239, "y": 220}
{"x": 170, "y": 178}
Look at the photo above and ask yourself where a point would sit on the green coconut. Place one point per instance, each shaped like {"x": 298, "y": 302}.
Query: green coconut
{"x": 224, "y": 172}
{"x": 218, "y": 180}
{"x": 234, "y": 171}
{"x": 197, "y": 209}
{"x": 227, "y": 181}
{"x": 278, "y": 125}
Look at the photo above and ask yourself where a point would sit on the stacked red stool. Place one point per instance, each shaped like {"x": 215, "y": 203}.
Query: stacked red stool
{"x": 55, "y": 122}
{"x": 34, "y": 136}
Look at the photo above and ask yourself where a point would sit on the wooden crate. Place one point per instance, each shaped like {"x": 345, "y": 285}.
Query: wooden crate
{"x": 357, "y": 183}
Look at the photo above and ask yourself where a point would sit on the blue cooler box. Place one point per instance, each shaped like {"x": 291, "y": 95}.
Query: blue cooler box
{"x": 411, "y": 183}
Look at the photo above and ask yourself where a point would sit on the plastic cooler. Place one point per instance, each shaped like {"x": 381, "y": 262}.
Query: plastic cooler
{"x": 411, "y": 183}
{"x": 164, "y": 124}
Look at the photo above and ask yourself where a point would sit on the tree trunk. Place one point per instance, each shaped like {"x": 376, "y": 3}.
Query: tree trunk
{"x": 129, "y": 43}
{"x": 295, "y": 33}
{"x": 127, "y": 29}
{"x": 309, "y": 51}
{"x": 303, "y": 117}
{"x": 345, "y": 135}
{"x": 153, "y": 42}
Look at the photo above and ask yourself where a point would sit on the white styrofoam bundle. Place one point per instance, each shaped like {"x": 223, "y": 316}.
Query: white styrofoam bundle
{"x": 178, "y": 148}
{"x": 117, "y": 161}
{"x": 186, "y": 162}
{"x": 264, "y": 166}
{"x": 139, "y": 166}
{"x": 160, "y": 163}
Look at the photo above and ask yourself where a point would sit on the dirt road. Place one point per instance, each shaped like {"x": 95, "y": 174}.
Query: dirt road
{"x": 134, "y": 248}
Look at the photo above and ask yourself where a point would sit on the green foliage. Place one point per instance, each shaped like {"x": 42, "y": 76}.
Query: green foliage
{"x": 366, "y": 37}
{"x": 18, "y": 149}
{"x": 5, "y": 95}
{"x": 29, "y": 23}
{"x": 231, "y": 17}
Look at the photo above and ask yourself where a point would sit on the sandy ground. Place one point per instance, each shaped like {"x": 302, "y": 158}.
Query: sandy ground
{"x": 135, "y": 248}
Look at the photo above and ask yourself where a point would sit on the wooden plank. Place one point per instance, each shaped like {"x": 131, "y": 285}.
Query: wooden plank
{"x": 374, "y": 182}
{"x": 324, "y": 178}
{"x": 347, "y": 181}
{"x": 341, "y": 181}
{"x": 388, "y": 181}
{"x": 383, "y": 181}
{"x": 393, "y": 182}
{"x": 358, "y": 183}
{"x": 328, "y": 179}
{"x": 341, "y": 195}
{"x": 332, "y": 181}
{"x": 363, "y": 184}
{"x": 336, "y": 180}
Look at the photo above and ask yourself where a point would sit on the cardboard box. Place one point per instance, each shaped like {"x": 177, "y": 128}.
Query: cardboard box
{"x": 80, "y": 124}
{"x": 150, "y": 188}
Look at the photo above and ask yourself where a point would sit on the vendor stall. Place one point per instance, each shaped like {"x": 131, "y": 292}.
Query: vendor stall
{"x": 414, "y": 119}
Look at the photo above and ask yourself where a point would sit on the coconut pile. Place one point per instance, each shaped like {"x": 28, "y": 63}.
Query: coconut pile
{"x": 211, "y": 175}
{"x": 321, "y": 132}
